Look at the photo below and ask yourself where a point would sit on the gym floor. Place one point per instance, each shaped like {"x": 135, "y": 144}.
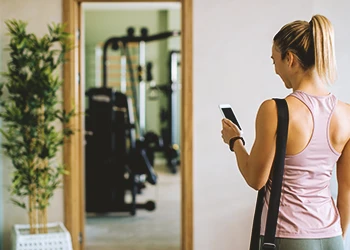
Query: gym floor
{"x": 156, "y": 230}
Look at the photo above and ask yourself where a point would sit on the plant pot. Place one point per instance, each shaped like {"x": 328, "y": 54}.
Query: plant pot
{"x": 57, "y": 238}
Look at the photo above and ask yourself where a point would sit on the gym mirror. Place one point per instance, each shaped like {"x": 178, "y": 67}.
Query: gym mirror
{"x": 132, "y": 83}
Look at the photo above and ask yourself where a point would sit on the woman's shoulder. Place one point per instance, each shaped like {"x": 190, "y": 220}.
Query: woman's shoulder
{"x": 342, "y": 113}
{"x": 344, "y": 107}
{"x": 267, "y": 106}
{"x": 267, "y": 112}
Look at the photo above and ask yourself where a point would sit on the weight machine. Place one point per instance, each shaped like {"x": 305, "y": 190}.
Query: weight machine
{"x": 119, "y": 153}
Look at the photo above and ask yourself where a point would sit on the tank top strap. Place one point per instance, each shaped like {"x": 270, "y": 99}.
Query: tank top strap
{"x": 333, "y": 102}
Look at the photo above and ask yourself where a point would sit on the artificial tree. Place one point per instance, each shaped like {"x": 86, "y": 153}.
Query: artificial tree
{"x": 32, "y": 115}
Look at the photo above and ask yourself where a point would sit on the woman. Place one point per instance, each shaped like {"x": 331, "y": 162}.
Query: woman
{"x": 318, "y": 139}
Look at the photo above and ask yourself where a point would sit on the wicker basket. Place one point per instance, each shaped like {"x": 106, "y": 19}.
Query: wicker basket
{"x": 57, "y": 238}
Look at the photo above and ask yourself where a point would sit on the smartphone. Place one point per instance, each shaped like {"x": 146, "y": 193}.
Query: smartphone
{"x": 227, "y": 112}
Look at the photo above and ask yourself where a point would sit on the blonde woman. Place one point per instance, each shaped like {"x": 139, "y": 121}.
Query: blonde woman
{"x": 318, "y": 140}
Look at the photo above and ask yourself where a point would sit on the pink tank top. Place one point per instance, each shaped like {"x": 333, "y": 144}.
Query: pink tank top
{"x": 307, "y": 209}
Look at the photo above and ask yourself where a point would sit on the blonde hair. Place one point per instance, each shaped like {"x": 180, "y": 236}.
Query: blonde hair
{"x": 312, "y": 43}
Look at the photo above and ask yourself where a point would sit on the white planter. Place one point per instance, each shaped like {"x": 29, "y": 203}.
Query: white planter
{"x": 57, "y": 238}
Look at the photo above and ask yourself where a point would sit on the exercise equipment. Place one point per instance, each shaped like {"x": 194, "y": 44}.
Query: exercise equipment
{"x": 170, "y": 114}
{"x": 168, "y": 142}
{"x": 115, "y": 161}
{"x": 119, "y": 152}
{"x": 140, "y": 94}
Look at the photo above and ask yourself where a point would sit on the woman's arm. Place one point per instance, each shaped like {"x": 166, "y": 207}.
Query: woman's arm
{"x": 256, "y": 167}
{"x": 343, "y": 176}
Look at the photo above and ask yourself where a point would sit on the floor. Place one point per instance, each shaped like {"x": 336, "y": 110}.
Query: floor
{"x": 156, "y": 230}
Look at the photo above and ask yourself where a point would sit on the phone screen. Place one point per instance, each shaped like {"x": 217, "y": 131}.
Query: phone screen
{"x": 229, "y": 115}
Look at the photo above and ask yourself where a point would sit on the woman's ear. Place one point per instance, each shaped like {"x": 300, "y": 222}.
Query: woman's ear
{"x": 290, "y": 58}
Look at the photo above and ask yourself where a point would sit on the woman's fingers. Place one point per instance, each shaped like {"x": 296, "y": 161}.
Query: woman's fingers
{"x": 229, "y": 123}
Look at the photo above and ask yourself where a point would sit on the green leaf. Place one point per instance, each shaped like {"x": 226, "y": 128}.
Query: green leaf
{"x": 18, "y": 203}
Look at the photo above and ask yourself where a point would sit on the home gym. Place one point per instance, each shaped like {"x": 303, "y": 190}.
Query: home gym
{"x": 132, "y": 122}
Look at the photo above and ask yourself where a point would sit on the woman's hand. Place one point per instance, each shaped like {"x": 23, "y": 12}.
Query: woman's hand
{"x": 229, "y": 130}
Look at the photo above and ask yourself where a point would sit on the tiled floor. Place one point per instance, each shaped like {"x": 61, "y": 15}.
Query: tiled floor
{"x": 156, "y": 230}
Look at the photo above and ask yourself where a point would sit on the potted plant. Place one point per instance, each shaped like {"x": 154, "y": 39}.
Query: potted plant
{"x": 32, "y": 117}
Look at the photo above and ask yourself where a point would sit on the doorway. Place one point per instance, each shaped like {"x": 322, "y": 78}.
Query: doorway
{"x": 132, "y": 50}
{"x": 74, "y": 96}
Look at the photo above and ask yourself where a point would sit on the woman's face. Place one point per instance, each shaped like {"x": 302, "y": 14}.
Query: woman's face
{"x": 281, "y": 66}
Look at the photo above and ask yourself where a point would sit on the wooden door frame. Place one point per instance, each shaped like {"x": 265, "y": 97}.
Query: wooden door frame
{"x": 73, "y": 93}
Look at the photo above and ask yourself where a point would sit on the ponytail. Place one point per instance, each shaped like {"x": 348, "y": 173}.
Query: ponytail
{"x": 323, "y": 39}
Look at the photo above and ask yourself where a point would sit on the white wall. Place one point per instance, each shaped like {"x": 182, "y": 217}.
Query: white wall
{"x": 38, "y": 13}
{"x": 232, "y": 49}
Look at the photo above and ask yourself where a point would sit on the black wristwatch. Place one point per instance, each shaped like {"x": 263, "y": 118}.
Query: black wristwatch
{"x": 232, "y": 141}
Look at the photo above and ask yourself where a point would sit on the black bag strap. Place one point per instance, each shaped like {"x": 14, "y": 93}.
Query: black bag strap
{"x": 255, "y": 237}
{"x": 277, "y": 175}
